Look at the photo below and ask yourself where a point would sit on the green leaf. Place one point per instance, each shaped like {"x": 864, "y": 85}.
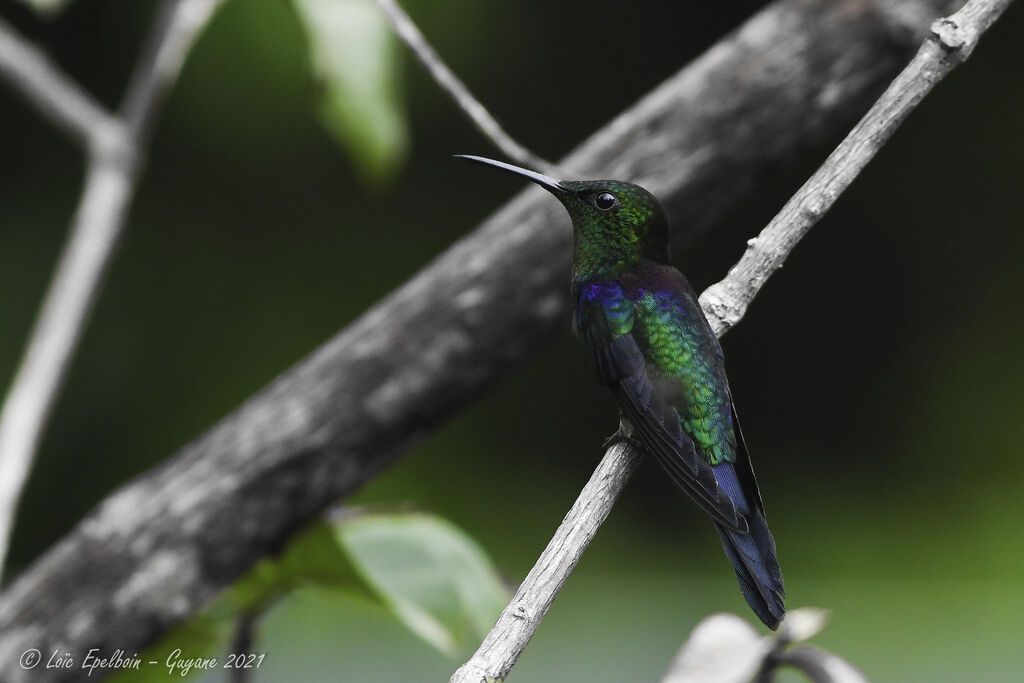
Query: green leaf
{"x": 47, "y": 8}
{"x": 433, "y": 576}
{"x": 437, "y": 580}
{"x": 314, "y": 556}
{"x": 354, "y": 55}
{"x": 202, "y": 636}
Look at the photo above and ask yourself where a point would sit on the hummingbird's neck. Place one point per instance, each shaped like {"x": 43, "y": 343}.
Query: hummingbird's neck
{"x": 603, "y": 258}
{"x": 591, "y": 261}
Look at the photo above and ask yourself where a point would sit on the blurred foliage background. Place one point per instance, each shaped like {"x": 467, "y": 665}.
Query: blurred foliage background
{"x": 878, "y": 375}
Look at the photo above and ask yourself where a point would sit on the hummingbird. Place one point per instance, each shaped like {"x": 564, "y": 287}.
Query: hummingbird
{"x": 645, "y": 332}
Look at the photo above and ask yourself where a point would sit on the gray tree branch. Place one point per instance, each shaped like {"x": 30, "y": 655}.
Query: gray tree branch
{"x": 116, "y": 147}
{"x": 457, "y": 90}
{"x": 519, "y": 620}
{"x": 58, "y": 98}
{"x": 156, "y": 550}
{"x": 949, "y": 43}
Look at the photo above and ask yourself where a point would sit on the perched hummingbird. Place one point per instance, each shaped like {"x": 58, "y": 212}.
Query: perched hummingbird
{"x": 640, "y": 321}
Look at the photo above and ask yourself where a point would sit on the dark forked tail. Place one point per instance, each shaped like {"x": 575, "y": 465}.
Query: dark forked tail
{"x": 752, "y": 554}
{"x": 753, "y": 557}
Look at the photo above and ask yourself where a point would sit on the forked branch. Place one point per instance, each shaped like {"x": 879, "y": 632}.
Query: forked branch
{"x": 115, "y": 146}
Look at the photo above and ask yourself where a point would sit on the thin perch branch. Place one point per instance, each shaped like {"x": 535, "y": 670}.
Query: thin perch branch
{"x": 156, "y": 550}
{"x": 116, "y": 151}
{"x": 521, "y": 617}
{"x": 457, "y": 90}
{"x": 951, "y": 41}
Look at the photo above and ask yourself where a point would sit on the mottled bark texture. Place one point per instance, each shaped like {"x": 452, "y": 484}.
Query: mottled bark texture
{"x": 154, "y": 551}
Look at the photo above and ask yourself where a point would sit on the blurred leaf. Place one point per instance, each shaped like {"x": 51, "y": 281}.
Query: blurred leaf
{"x": 726, "y": 649}
{"x": 47, "y": 8}
{"x": 722, "y": 648}
{"x": 802, "y": 624}
{"x": 203, "y": 636}
{"x": 354, "y": 55}
{"x": 314, "y": 556}
{"x": 435, "y": 577}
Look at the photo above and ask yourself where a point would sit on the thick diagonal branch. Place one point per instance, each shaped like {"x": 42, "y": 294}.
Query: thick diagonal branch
{"x": 153, "y": 552}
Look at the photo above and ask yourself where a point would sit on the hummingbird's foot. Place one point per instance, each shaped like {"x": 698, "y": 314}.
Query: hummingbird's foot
{"x": 619, "y": 437}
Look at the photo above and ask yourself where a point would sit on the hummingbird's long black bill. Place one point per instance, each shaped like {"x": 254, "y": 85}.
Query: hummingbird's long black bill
{"x": 547, "y": 182}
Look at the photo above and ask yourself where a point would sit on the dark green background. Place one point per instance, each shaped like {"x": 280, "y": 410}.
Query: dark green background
{"x": 878, "y": 375}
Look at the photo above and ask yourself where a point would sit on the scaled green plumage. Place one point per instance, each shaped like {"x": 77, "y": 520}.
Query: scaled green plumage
{"x": 650, "y": 343}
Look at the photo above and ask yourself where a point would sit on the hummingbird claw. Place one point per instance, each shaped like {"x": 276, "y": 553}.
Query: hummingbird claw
{"x": 619, "y": 437}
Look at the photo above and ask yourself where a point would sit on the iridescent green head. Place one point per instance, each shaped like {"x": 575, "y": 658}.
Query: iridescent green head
{"x": 614, "y": 223}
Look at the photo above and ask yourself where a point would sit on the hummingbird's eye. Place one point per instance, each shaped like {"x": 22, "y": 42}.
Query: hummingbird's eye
{"x": 606, "y": 201}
